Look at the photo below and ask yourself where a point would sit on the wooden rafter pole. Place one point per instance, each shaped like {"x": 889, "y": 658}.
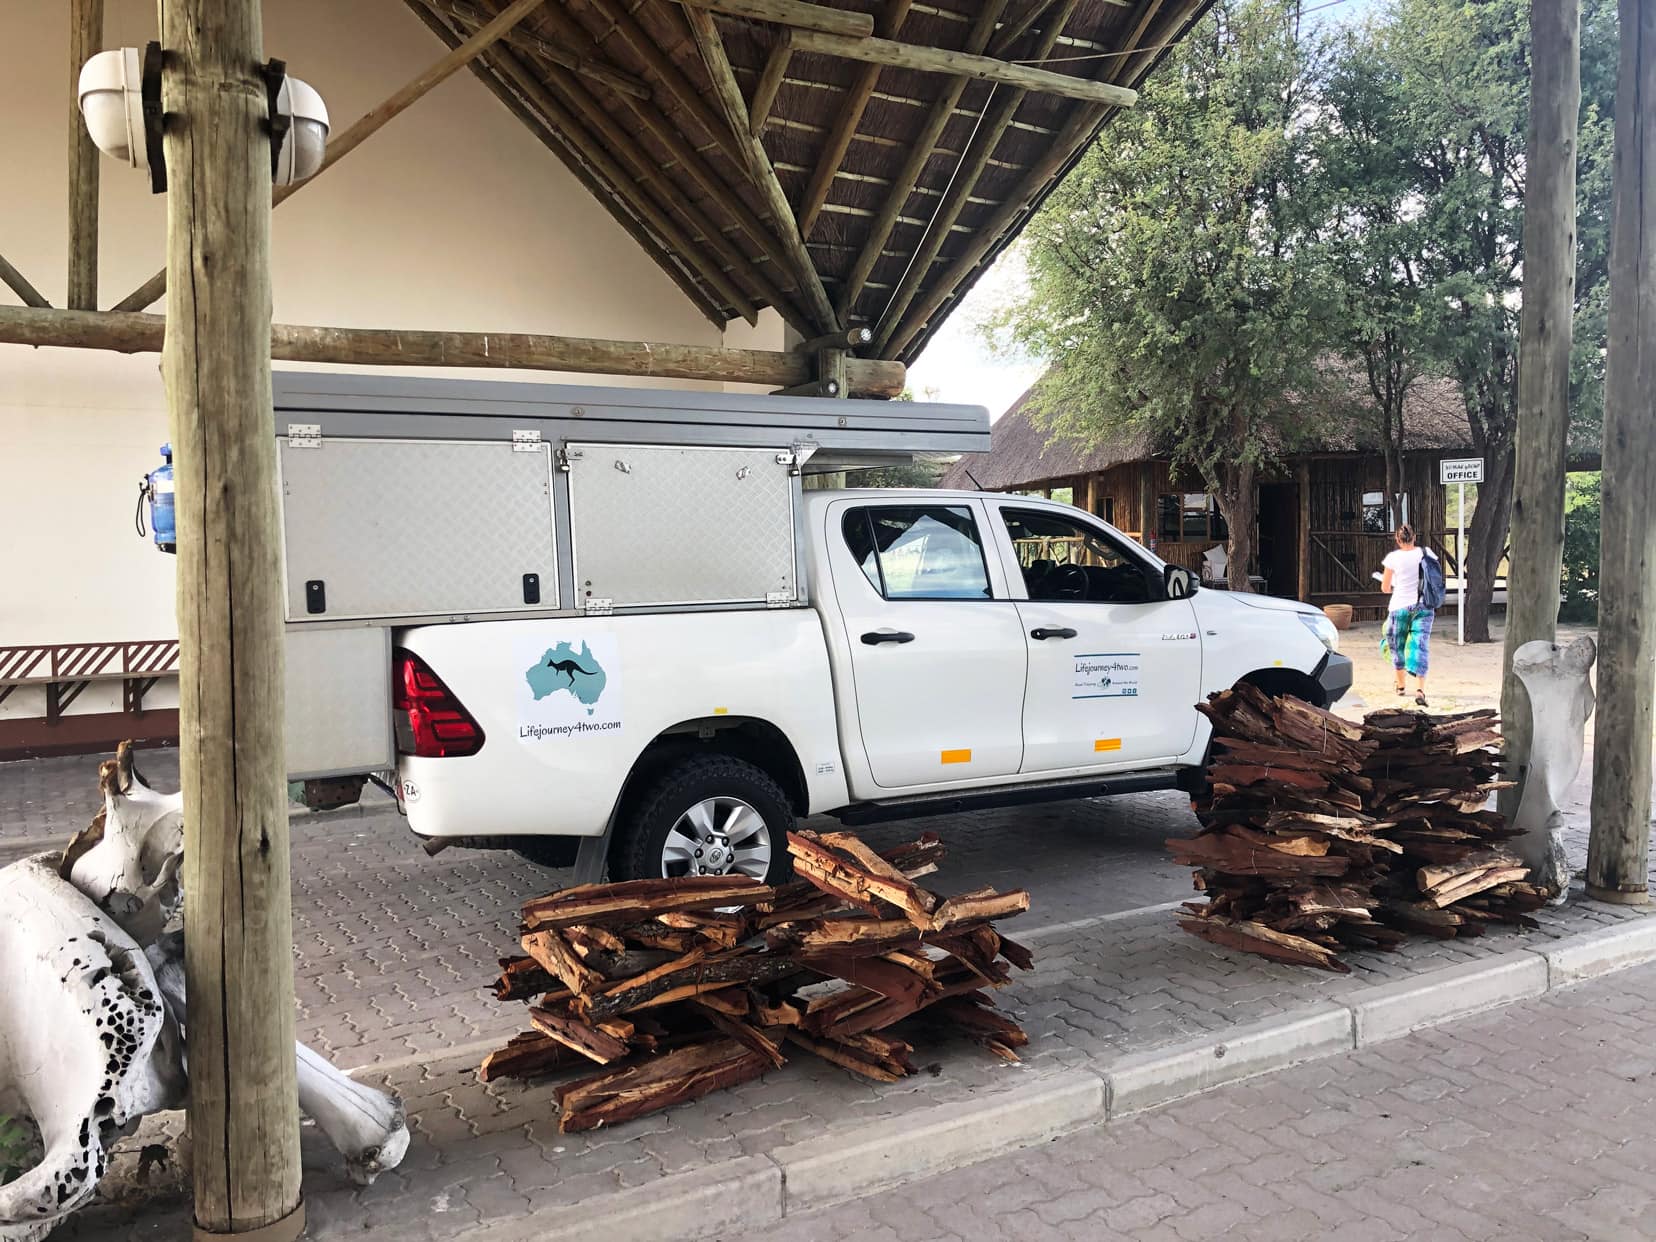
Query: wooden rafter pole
{"x": 19, "y": 284}
{"x": 960, "y": 64}
{"x": 770, "y": 81}
{"x": 341, "y": 145}
{"x": 1077, "y": 132}
{"x": 238, "y": 947}
{"x": 86, "y": 21}
{"x": 474, "y": 17}
{"x": 795, "y": 14}
{"x": 775, "y": 291}
{"x": 996, "y": 117}
{"x": 619, "y": 209}
{"x": 128, "y": 333}
{"x": 1543, "y": 371}
{"x": 921, "y": 151}
{"x": 850, "y": 116}
{"x": 760, "y": 168}
{"x": 1618, "y": 850}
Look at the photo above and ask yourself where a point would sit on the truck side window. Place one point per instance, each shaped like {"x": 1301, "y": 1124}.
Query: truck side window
{"x": 918, "y": 552}
{"x": 1063, "y": 560}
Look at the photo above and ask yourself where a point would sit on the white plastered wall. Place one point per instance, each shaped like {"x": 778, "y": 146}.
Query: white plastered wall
{"x": 453, "y": 216}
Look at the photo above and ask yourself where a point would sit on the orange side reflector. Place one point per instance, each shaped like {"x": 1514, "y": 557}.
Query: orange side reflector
{"x": 1107, "y": 743}
{"x": 957, "y": 756}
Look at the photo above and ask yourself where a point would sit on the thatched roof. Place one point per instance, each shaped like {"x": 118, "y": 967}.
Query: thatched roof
{"x": 1024, "y": 454}
{"x": 628, "y": 94}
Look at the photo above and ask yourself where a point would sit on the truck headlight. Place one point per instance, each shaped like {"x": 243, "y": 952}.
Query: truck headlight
{"x": 1322, "y": 627}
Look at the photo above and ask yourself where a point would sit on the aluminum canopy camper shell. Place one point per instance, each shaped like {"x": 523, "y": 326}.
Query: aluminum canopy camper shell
{"x": 417, "y": 501}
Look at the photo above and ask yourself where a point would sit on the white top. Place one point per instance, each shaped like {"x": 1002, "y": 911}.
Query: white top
{"x": 1405, "y": 566}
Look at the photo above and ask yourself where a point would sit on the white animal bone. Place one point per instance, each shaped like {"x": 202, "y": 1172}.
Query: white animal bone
{"x": 364, "y": 1124}
{"x": 132, "y": 871}
{"x": 1561, "y": 700}
{"x": 86, "y": 1045}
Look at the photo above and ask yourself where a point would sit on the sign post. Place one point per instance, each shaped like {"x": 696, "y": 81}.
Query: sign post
{"x": 1460, "y": 472}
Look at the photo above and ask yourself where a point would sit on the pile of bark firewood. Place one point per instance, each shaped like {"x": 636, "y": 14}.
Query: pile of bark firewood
{"x": 682, "y": 987}
{"x": 1319, "y": 834}
{"x": 1432, "y": 777}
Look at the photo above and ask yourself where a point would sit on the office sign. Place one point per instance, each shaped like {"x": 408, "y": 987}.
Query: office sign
{"x": 1461, "y": 470}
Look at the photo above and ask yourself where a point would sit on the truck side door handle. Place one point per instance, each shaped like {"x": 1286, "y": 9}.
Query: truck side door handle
{"x": 1045, "y": 633}
{"x": 875, "y": 637}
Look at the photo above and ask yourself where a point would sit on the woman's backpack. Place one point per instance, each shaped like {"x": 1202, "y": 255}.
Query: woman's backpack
{"x": 1433, "y": 588}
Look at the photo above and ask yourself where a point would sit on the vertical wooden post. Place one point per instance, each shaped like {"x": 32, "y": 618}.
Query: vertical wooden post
{"x": 244, "y": 1108}
{"x": 1537, "y": 531}
{"x": 1618, "y": 853}
{"x": 86, "y": 21}
{"x": 1147, "y": 503}
{"x": 1302, "y": 487}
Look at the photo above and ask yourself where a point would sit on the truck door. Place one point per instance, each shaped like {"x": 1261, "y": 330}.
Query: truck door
{"x": 1115, "y": 670}
{"x": 937, "y": 653}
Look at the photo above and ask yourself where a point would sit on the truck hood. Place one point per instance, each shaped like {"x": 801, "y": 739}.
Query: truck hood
{"x": 1247, "y": 599}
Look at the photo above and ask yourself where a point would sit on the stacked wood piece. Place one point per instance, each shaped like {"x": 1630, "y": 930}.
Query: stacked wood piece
{"x": 681, "y": 987}
{"x": 1432, "y": 778}
{"x": 1288, "y": 857}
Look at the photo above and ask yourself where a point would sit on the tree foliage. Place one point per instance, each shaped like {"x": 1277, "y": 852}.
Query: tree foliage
{"x": 1278, "y": 200}
{"x": 1175, "y": 276}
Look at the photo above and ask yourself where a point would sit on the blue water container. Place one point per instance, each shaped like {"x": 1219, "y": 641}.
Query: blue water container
{"x": 158, "y": 490}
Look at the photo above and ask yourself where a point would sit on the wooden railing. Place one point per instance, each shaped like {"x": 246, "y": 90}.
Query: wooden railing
{"x": 67, "y": 669}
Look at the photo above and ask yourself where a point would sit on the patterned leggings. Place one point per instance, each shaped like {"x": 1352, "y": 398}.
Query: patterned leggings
{"x": 1409, "y": 637}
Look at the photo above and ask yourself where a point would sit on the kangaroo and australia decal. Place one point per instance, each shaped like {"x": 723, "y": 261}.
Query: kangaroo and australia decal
{"x": 568, "y": 689}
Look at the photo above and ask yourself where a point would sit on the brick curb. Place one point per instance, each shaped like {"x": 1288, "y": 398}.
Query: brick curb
{"x": 753, "y": 1192}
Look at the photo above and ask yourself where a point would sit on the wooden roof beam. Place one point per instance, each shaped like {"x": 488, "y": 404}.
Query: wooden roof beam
{"x": 1077, "y": 133}
{"x": 770, "y": 81}
{"x": 960, "y": 64}
{"x": 86, "y": 25}
{"x": 19, "y": 284}
{"x": 712, "y": 49}
{"x": 341, "y": 145}
{"x": 845, "y": 124}
{"x": 527, "y": 41}
{"x": 140, "y": 334}
{"x": 993, "y": 124}
{"x": 920, "y": 152}
{"x": 796, "y": 14}
{"x": 724, "y": 197}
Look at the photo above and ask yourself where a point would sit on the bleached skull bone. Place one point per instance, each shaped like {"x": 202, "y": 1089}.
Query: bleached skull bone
{"x": 132, "y": 873}
{"x": 91, "y": 1052}
{"x": 1560, "y": 691}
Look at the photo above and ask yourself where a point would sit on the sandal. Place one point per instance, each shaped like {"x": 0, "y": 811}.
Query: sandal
{"x": 1420, "y": 698}
{"x": 1401, "y": 692}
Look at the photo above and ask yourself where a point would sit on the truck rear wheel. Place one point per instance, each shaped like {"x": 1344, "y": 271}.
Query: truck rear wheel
{"x": 706, "y": 815}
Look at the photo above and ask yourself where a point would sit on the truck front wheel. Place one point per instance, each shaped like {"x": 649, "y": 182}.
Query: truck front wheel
{"x": 706, "y": 815}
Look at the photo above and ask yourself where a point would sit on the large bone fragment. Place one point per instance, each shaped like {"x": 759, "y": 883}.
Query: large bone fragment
{"x": 131, "y": 872}
{"x": 91, "y": 1051}
{"x": 1561, "y": 700}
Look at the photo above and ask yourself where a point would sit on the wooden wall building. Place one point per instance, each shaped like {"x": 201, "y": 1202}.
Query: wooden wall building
{"x": 1323, "y": 527}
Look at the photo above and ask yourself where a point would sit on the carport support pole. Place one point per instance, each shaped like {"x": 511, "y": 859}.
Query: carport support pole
{"x": 1618, "y": 851}
{"x": 244, "y": 1105}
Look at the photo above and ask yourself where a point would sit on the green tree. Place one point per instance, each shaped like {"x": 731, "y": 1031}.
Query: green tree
{"x": 1176, "y": 281}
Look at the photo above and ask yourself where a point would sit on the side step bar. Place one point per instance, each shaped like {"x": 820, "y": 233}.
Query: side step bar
{"x": 957, "y": 800}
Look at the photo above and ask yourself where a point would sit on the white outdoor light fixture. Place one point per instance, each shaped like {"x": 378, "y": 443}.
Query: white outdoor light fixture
{"x": 120, "y": 99}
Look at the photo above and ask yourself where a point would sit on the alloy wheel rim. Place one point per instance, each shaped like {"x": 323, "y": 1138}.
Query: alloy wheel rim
{"x": 717, "y": 836}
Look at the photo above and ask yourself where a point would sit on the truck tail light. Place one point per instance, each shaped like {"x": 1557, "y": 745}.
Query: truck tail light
{"x": 430, "y": 721}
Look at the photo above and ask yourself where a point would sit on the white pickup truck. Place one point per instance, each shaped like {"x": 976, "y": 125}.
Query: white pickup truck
{"x": 927, "y": 651}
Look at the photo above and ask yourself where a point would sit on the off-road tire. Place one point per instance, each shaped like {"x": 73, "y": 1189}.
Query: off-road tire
{"x": 642, "y": 831}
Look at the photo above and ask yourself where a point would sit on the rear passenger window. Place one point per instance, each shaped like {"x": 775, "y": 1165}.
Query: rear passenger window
{"x": 918, "y": 551}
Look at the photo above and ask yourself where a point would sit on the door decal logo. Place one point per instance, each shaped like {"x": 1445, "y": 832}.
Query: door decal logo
{"x": 1106, "y": 675}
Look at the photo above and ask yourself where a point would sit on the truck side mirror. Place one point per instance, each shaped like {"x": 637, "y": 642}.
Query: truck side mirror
{"x": 1178, "y": 582}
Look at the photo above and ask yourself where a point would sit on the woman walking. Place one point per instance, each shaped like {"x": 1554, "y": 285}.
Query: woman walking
{"x": 1408, "y": 621}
